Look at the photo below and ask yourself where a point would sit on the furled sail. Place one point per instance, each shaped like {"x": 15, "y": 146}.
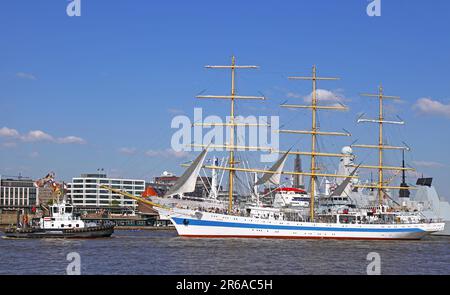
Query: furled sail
{"x": 186, "y": 183}
{"x": 341, "y": 188}
{"x": 274, "y": 176}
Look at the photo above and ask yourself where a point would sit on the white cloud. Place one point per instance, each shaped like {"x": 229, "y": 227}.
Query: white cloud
{"x": 324, "y": 95}
{"x": 36, "y": 135}
{"x": 70, "y": 140}
{"x": 28, "y": 76}
{"x": 127, "y": 150}
{"x": 428, "y": 106}
{"x": 169, "y": 153}
{"x": 428, "y": 164}
{"x": 8, "y": 132}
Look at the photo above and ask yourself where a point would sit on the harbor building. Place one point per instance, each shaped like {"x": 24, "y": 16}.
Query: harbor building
{"x": 17, "y": 192}
{"x": 85, "y": 192}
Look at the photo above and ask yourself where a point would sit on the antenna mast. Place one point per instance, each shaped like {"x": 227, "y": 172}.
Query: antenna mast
{"x": 404, "y": 193}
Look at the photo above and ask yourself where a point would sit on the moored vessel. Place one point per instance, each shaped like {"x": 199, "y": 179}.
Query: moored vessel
{"x": 293, "y": 216}
{"x": 380, "y": 226}
{"x": 61, "y": 224}
{"x": 62, "y": 221}
{"x": 375, "y": 223}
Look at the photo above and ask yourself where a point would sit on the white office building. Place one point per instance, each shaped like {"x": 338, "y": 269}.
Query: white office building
{"x": 17, "y": 192}
{"x": 85, "y": 191}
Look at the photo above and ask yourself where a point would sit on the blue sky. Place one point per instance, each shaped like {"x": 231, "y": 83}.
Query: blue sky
{"x": 100, "y": 90}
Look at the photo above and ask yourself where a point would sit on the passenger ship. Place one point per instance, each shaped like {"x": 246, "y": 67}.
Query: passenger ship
{"x": 375, "y": 223}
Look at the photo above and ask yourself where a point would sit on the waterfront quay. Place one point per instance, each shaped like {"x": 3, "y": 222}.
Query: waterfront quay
{"x": 21, "y": 202}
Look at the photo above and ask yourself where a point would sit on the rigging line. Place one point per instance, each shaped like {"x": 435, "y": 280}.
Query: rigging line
{"x": 399, "y": 136}
{"x": 242, "y": 138}
{"x": 248, "y": 184}
{"x": 320, "y": 145}
{"x": 271, "y": 190}
{"x": 366, "y": 155}
{"x": 245, "y": 166}
{"x": 223, "y": 162}
{"x": 239, "y": 181}
{"x": 244, "y": 186}
{"x": 207, "y": 178}
{"x": 204, "y": 185}
{"x": 294, "y": 116}
{"x": 201, "y": 92}
{"x": 251, "y": 180}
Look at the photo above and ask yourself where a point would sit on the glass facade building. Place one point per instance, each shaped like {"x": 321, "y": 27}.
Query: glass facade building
{"x": 85, "y": 191}
{"x": 17, "y": 192}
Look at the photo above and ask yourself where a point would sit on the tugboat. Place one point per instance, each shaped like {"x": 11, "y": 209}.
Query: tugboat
{"x": 62, "y": 222}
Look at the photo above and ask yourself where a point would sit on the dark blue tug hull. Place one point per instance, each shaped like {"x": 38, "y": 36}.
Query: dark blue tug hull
{"x": 101, "y": 231}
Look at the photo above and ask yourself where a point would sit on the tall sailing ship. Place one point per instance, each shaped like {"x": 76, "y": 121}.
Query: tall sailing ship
{"x": 377, "y": 222}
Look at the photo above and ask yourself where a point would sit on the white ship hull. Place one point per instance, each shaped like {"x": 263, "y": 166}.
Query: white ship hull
{"x": 190, "y": 223}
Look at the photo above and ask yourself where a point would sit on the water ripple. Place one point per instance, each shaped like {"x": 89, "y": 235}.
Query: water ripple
{"x": 163, "y": 252}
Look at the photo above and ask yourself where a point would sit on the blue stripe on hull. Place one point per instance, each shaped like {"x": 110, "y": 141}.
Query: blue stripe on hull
{"x": 198, "y": 222}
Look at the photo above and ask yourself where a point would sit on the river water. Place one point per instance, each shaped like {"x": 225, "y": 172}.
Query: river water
{"x": 163, "y": 252}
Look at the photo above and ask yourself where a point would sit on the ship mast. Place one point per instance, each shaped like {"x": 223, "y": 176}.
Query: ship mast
{"x": 380, "y": 186}
{"x": 314, "y": 132}
{"x": 232, "y": 124}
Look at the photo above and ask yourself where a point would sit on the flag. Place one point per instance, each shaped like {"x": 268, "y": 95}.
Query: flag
{"x": 149, "y": 192}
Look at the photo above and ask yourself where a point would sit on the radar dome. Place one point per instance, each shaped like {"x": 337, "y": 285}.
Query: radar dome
{"x": 347, "y": 150}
